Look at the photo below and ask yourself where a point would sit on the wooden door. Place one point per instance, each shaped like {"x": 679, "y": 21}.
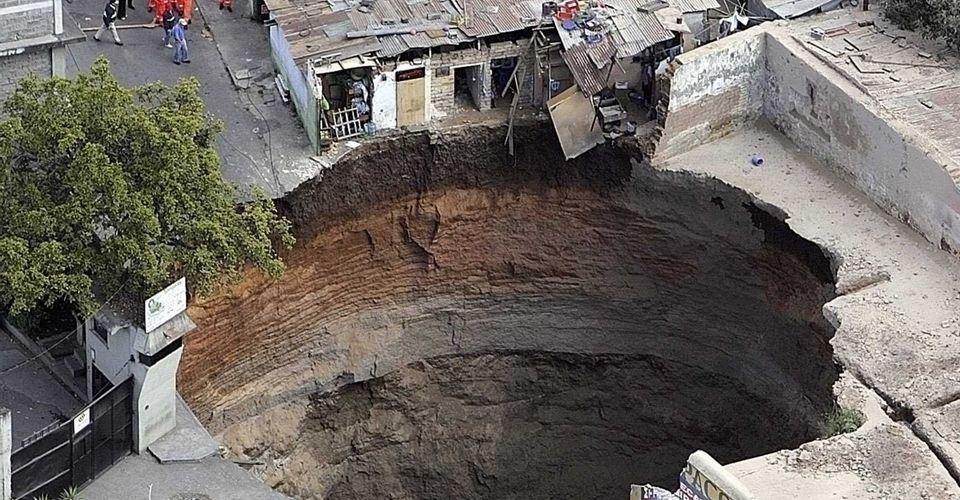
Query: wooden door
{"x": 411, "y": 97}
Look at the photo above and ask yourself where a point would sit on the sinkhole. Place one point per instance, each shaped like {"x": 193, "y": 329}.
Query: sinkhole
{"x": 458, "y": 323}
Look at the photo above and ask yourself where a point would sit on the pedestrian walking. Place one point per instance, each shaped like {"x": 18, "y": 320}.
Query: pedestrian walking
{"x": 180, "y": 52}
{"x": 226, "y": 4}
{"x": 170, "y": 20}
{"x": 109, "y": 18}
{"x": 122, "y": 11}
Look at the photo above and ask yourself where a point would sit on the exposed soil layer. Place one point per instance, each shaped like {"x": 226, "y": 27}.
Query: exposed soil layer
{"x": 457, "y": 324}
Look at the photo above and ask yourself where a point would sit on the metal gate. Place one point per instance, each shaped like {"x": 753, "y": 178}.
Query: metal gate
{"x": 79, "y": 450}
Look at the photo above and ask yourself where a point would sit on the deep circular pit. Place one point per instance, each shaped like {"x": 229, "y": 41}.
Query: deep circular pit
{"x": 458, "y": 324}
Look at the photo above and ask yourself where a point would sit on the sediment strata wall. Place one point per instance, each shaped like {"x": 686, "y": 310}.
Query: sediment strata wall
{"x": 442, "y": 249}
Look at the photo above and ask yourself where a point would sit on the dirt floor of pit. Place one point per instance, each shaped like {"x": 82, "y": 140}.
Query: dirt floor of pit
{"x": 659, "y": 296}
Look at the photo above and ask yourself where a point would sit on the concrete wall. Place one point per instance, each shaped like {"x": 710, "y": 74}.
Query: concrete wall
{"x": 843, "y": 127}
{"x": 384, "y": 105}
{"x": 713, "y": 90}
{"x": 154, "y": 387}
{"x": 111, "y": 358}
{"x": 300, "y": 91}
{"x": 16, "y": 66}
{"x": 155, "y": 393}
{"x": 699, "y": 26}
{"x": 443, "y": 67}
{"x": 25, "y": 19}
{"x": 762, "y": 72}
{"x": 480, "y": 83}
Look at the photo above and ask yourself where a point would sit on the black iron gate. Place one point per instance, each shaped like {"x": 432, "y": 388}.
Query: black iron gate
{"x": 79, "y": 450}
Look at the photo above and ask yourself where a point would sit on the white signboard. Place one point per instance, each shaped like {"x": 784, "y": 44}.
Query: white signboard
{"x": 705, "y": 479}
{"x": 12, "y": 52}
{"x": 166, "y": 304}
{"x": 81, "y": 421}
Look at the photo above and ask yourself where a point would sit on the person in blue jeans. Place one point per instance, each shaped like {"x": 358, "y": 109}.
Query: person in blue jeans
{"x": 180, "y": 51}
{"x": 170, "y": 19}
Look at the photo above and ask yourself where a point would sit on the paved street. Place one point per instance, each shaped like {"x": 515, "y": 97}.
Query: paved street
{"x": 263, "y": 143}
{"x": 34, "y": 397}
{"x": 212, "y": 478}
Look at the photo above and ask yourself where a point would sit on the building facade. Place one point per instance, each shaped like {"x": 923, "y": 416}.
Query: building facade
{"x": 353, "y": 68}
{"x": 33, "y": 40}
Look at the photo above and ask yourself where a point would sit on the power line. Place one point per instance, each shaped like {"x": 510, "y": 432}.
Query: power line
{"x": 31, "y": 360}
{"x": 65, "y": 337}
{"x": 273, "y": 168}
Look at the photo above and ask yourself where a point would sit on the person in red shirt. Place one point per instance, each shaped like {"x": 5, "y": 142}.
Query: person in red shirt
{"x": 158, "y": 7}
{"x": 226, "y": 4}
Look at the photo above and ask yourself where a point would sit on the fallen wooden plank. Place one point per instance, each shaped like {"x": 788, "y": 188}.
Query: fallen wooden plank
{"x": 862, "y": 67}
{"x": 917, "y": 65}
{"x": 124, "y": 26}
{"x": 826, "y": 49}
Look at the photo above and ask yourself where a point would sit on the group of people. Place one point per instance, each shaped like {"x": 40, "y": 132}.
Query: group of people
{"x": 172, "y": 15}
{"x": 171, "y": 18}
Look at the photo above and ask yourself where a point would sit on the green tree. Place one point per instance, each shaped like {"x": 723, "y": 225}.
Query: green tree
{"x": 932, "y": 18}
{"x": 108, "y": 187}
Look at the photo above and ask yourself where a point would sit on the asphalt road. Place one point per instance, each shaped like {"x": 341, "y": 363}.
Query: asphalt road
{"x": 262, "y": 143}
{"x": 35, "y": 399}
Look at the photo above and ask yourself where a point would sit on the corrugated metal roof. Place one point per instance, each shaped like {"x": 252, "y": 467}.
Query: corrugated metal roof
{"x": 582, "y": 62}
{"x": 631, "y": 31}
{"x": 493, "y": 17}
{"x": 636, "y": 32}
{"x": 789, "y": 9}
{"x": 686, "y": 6}
{"x": 392, "y": 46}
{"x": 324, "y": 27}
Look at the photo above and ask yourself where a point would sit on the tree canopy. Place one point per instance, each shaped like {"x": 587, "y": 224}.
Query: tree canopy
{"x": 932, "y": 18}
{"x": 108, "y": 188}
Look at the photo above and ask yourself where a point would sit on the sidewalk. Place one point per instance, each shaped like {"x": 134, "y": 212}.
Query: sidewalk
{"x": 262, "y": 143}
{"x": 143, "y": 477}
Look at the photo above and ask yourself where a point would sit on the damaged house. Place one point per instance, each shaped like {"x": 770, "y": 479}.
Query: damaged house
{"x": 614, "y": 49}
{"x": 359, "y": 67}
{"x": 354, "y": 67}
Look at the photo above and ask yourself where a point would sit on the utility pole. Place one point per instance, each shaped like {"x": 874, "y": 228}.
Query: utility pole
{"x": 6, "y": 449}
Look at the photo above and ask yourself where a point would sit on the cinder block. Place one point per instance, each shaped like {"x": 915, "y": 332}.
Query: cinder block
{"x": 13, "y": 68}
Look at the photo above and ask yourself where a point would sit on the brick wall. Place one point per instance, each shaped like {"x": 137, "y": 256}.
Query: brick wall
{"x": 711, "y": 91}
{"x": 442, "y": 89}
{"x": 15, "y": 67}
{"x": 36, "y": 20}
{"x": 443, "y": 65}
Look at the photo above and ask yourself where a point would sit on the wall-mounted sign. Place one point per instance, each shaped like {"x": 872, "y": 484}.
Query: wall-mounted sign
{"x": 702, "y": 479}
{"x": 705, "y": 479}
{"x": 11, "y": 52}
{"x": 81, "y": 421}
{"x": 166, "y": 304}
